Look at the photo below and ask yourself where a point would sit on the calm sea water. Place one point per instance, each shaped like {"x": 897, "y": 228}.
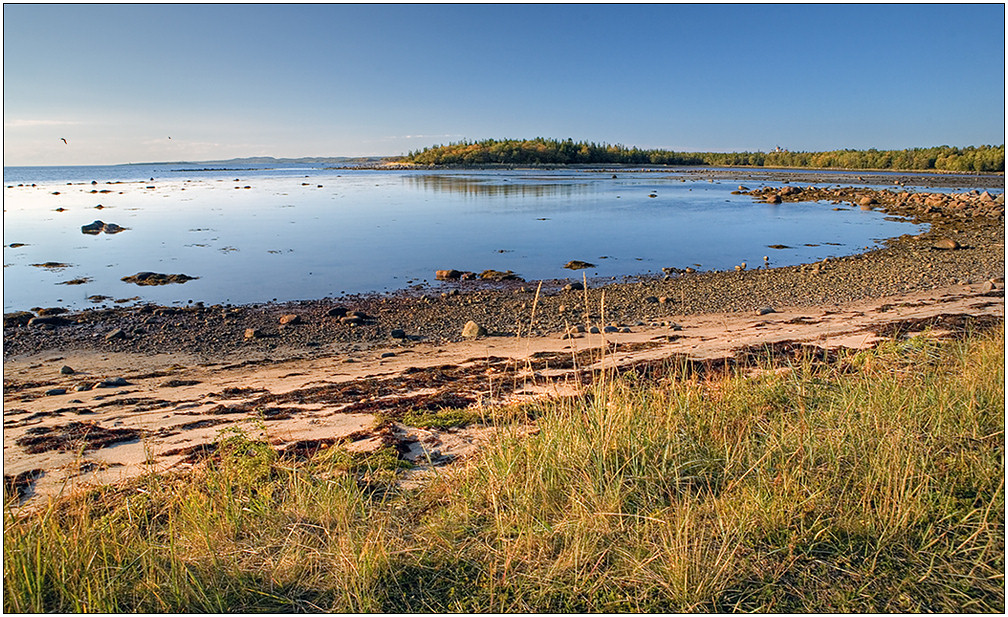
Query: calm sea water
{"x": 303, "y": 233}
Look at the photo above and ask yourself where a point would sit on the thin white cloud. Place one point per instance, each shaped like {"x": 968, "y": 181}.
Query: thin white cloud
{"x": 27, "y": 123}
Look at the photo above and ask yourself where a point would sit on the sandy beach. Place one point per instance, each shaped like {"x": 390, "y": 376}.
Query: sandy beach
{"x": 104, "y": 395}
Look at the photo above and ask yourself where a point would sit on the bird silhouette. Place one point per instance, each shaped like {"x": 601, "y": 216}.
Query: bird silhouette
{"x": 65, "y": 141}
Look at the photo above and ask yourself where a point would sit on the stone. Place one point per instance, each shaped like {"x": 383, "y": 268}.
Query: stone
{"x": 989, "y": 286}
{"x": 93, "y": 229}
{"x": 290, "y": 319}
{"x": 610, "y": 329}
{"x": 593, "y": 330}
{"x": 112, "y": 228}
{"x": 497, "y": 275}
{"x": 946, "y": 244}
{"x": 447, "y": 275}
{"x": 66, "y": 370}
{"x": 577, "y": 264}
{"x": 651, "y": 300}
{"x": 251, "y": 333}
{"x": 388, "y": 354}
{"x": 337, "y": 311}
{"x": 54, "y": 310}
{"x": 773, "y": 198}
{"x": 575, "y": 286}
{"x": 83, "y": 387}
{"x": 473, "y": 330}
{"x": 663, "y": 300}
{"x": 154, "y": 278}
{"x": 398, "y": 333}
{"x": 353, "y": 320}
{"x": 55, "y": 391}
{"x": 765, "y": 310}
{"x": 867, "y": 201}
{"x": 18, "y": 318}
{"x": 115, "y": 334}
{"x": 112, "y": 382}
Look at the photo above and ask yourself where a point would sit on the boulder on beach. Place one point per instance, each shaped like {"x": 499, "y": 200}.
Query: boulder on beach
{"x": 290, "y": 319}
{"x": 447, "y": 275}
{"x": 946, "y": 244}
{"x": 154, "y": 278}
{"x": 577, "y": 264}
{"x": 473, "y": 330}
{"x": 497, "y": 275}
{"x": 575, "y": 286}
{"x": 18, "y": 318}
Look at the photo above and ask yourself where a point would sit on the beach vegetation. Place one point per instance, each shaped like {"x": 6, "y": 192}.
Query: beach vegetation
{"x": 852, "y": 482}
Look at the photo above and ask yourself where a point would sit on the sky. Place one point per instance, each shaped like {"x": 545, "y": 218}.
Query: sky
{"x": 233, "y": 80}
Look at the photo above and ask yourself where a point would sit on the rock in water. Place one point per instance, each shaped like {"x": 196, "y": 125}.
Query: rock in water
{"x": 473, "y": 330}
{"x": 577, "y": 264}
{"x": 93, "y": 229}
{"x": 497, "y": 275}
{"x": 153, "y": 278}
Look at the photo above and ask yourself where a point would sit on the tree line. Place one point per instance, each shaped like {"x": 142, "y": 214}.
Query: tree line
{"x": 541, "y": 151}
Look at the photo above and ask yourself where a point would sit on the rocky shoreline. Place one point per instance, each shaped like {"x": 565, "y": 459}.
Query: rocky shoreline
{"x": 965, "y": 244}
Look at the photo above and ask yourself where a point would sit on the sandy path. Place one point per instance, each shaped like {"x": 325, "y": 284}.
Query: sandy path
{"x": 172, "y": 406}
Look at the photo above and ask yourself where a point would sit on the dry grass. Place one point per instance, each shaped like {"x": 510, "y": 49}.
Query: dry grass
{"x": 873, "y": 483}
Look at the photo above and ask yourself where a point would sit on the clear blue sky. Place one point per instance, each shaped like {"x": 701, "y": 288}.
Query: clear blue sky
{"x": 328, "y": 80}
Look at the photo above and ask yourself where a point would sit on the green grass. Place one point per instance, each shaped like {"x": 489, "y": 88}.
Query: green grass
{"x": 873, "y": 483}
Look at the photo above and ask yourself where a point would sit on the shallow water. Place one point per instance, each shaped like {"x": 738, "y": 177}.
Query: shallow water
{"x": 286, "y": 237}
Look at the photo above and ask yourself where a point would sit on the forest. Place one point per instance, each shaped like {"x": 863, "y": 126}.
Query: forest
{"x": 542, "y": 151}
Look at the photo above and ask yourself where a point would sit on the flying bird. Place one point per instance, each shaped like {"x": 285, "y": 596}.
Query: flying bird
{"x": 65, "y": 141}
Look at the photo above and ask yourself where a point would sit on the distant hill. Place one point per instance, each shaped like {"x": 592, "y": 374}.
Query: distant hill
{"x": 269, "y": 161}
{"x": 540, "y": 151}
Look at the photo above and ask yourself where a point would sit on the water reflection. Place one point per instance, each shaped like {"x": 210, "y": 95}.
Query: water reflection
{"x": 496, "y": 186}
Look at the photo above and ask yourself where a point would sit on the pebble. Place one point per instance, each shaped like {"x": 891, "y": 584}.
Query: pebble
{"x": 66, "y": 370}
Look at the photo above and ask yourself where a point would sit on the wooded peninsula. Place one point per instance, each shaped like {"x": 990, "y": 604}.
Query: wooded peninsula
{"x": 541, "y": 151}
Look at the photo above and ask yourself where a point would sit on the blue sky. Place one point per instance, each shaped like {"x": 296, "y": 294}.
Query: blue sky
{"x": 328, "y": 80}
